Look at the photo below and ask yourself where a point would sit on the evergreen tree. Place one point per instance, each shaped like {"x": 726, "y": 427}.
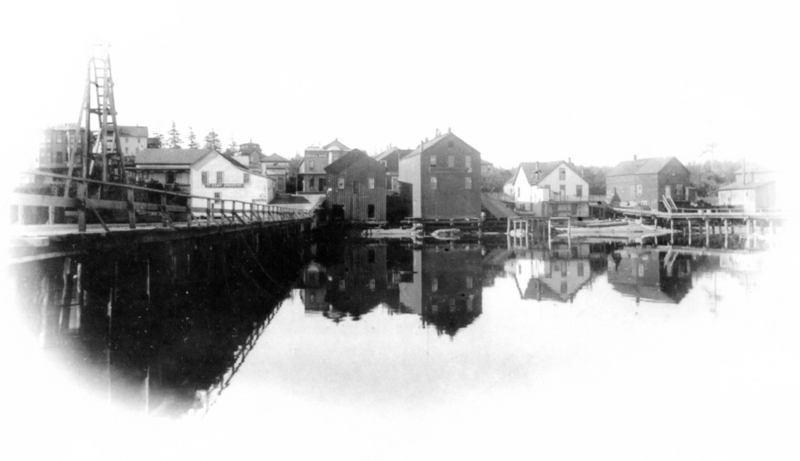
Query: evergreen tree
{"x": 233, "y": 147}
{"x": 213, "y": 142}
{"x": 174, "y": 141}
{"x": 193, "y": 140}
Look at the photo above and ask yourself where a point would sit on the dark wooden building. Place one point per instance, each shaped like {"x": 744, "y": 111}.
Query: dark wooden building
{"x": 356, "y": 185}
{"x": 445, "y": 178}
{"x": 391, "y": 160}
{"x": 644, "y": 182}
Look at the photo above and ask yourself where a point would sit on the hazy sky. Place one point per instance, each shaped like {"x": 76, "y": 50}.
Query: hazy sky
{"x": 594, "y": 81}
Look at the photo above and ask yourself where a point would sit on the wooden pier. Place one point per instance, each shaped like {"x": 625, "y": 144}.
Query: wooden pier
{"x": 144, "y": 216}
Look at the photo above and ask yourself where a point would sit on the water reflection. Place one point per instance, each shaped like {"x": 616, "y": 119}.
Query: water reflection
{"x": 650, "y": 274}
{"x": 164, "y": 329}
{"x": 555, "y": 273}
{"x": 158, "y": 329}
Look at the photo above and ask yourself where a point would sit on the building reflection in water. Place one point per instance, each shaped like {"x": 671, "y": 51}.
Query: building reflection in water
{"x": 440, "y": 283}
{"x": 556, "y": 273}
{"x": 657, "y": 276}
{"x": 161, "y": 328}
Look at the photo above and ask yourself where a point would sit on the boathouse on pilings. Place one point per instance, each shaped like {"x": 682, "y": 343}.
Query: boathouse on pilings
{"x": 357, "y": 186}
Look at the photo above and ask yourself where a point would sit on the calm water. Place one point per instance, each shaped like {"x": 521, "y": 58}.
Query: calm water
{"x": 689, "y": 353}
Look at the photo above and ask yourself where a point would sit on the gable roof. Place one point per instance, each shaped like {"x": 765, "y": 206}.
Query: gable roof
{"x": 170, "y": 156}
{"x": 428, "y": 144}
{"x": 513, "y": 176}
{"x": 133, "y": 131}
{"x": 529, "y": 169}
{"x": 401, "y": 153}
{"x": 274, "y": 158}
{"x": 640, "y": 166}
{"x": 335, "y": 145}
{"x": 348, "y": 159}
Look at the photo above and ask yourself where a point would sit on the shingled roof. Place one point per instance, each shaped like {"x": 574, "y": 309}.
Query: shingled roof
{"x": 170, "y": 156}
{"x": 544, "y": 168}
{"x": 401, "y": 153}
{"x": 640, "y": 166}
{"x": 274, "y": 158}
{"x": 346, "y": 160}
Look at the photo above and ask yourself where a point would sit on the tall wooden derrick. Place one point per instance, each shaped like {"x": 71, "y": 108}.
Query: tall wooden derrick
{"x": 104, "y": 160}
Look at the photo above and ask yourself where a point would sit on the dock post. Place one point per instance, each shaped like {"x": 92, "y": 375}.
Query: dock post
{"x": 131, "y": 209}
{"x": 164, "y": 210}
{"x": 689, "y": 229}
{"x": 81, "y": 207}
{"x": 549, "y": 233}
{"x": 672, "y": 232}
{"x": 209, "y": 207}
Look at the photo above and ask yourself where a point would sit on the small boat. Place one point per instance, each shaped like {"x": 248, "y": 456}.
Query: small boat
{"x": 447, "y": 234}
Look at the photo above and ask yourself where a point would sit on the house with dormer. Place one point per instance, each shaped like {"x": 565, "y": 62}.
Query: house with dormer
{"x": 550, "y": 189}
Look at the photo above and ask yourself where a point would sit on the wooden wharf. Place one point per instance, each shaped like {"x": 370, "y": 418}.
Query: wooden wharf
{"x": 34, "y": 241}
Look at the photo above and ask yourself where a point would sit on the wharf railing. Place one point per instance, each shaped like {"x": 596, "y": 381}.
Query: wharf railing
{"x": 216, "y": 211}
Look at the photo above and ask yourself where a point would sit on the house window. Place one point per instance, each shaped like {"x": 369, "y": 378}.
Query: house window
{"x": 562, "y": 192}
{"x": 579, "y": 190}
{"x": 170, "y": 177}
{"x": 371, "y": 215}
{"x": 281, "y": 183}
{"x": 435, "y": 285}
{"x": 247, "y": 178}
{"x": 311, "y": 164}
{"x": 433, "y": 182}
{"x": 355, "y": 187}
{"x": 580, "y": 269}
{"x": 371, "y": 183}
{"x": 341, "y": 183}
{"x": 562, "y": 174}
{"x": 468, "y": 282}
{"x": 639, "y": 190}
{"x": 220, "y": 177}
{"x": 451, "y": 161}
{"x": 217, "y": 197}
{"x": 433, "y": 161}
{"x": 394, "y": 183}
{"x": 59, "y": 157}
{"x": 468, "y": 162}
{"x": 371, "y": 256}
{"x": 468, "y": 182}
{"x": 342, "y": 285}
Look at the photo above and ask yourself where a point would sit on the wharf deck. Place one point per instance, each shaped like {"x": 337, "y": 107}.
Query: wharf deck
{"x": 700, "y": 214}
